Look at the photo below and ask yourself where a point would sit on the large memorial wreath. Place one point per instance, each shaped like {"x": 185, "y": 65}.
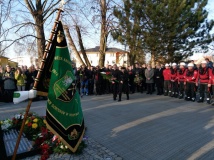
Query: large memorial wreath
{"x": 36, "y": 131}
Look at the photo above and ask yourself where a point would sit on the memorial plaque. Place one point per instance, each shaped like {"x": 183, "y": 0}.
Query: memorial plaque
{"x": 7, "y": 144}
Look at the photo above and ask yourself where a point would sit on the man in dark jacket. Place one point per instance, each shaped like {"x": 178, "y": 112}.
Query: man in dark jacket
{"x": 159, "y": 79}
{"x": 115, "y": 80}
{"x": 123, "y": 83}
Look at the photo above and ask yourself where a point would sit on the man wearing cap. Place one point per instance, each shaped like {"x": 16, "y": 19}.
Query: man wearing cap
{"x": 174, "y": 81}
{"x": 190, "y": 80}
{"x": 9, "y": 84}
{"x": 203, "y": 79}
{"x": 181, "y": 77}
{"x": 167, "y": 78}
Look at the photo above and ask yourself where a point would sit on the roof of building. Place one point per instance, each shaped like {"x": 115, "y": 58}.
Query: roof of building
{"x": 4, "y": 57}
{"x": 97, "y": 48}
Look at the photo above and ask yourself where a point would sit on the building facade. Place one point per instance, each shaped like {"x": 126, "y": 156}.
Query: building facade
{"x": 113, "y": 56}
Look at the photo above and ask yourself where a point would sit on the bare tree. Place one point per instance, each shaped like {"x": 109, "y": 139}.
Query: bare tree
{"x": 81, "y": 46}
{"x": 72, "y": 45}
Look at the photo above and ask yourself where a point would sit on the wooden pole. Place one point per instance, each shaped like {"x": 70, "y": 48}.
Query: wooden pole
{"x": 37, "y": 81}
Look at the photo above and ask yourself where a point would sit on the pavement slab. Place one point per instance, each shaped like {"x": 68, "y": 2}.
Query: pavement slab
{"x": 146, "y": 127}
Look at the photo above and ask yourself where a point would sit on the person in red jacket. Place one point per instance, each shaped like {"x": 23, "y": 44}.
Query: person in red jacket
{"x": 203, "y": 79}
{"x": 167, "y": 78}
{"x": 190, "y": 80}
{"x": 181, "y": 77}
{"x": 211, "y": 80}
{"x": 174, "y": 81}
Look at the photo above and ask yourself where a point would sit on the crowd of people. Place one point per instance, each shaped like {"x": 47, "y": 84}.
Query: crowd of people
{"x": 12, "y": 79}
{"x": 181, "y": 80}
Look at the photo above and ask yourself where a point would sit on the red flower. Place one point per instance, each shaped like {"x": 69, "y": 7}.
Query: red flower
{"x": 44, "y": 130}
{"x": 108, "y": 73}
{"x": 16, "y": 121}
{"x": 44, "y": 157}
{"x": 29, "y": 124}
{"x": 45, "y": 147}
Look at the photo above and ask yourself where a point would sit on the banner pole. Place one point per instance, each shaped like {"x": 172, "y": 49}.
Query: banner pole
{"x": 36, "y": 81}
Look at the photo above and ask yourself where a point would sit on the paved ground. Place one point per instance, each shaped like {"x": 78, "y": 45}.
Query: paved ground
{"x": 147, "y": 127}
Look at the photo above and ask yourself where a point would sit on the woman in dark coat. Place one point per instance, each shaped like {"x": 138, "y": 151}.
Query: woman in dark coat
{"x": 123, "y": 83}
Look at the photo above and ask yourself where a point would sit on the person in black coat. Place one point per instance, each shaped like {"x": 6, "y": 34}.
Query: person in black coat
{"x": 123, "y": 83}
{"x": 159, "y": 79}
{"x": 115, "y": 80}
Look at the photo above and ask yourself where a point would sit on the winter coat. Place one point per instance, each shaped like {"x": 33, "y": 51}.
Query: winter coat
{"x": 20, "y": 79}
{"x": 167, "y": 74}
{"x": 9, "y": 81}
{"x": 149, "y": 74}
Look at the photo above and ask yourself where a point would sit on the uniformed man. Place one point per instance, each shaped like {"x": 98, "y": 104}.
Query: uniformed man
{"x": 115, "y": 80}
{"x": 190, "y": 80}
{"x": 123, "y": 83}
{"x": 181, "y": 77}
{"x": 166, "y": 75}
{"x": 174, "y": 81}
{"x": 211, "y": 80}
{"x": 203, "y": 79}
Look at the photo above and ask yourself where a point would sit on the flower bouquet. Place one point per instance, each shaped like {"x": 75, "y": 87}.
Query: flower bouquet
{"x": 106, "y": 75}
{"x": 35, "y": 130}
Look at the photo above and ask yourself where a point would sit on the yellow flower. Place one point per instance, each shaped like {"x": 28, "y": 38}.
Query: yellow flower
{"x": 35, "y": 120}
{"x": 34, "y": 125}
{"x": 26, "y": 122}
{"x": 44, "y": 121}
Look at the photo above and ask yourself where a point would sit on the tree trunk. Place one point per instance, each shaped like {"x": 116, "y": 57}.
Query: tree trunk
{"x": 72, "y": 45}
{"x": 132, "y": 58}
{"x": 103, "y": 34}
{"x": 40, "y": 37}
{"x": 153, "y": 57}
{"x": 82, "y": 47}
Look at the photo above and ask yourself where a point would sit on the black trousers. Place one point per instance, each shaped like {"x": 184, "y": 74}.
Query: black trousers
{"x": 167, "y": 86}
{"x": 204, "y": 89}
{"x": 149, "y": 87}
{"x": 8, "y": 95}
{"x": 115, "y": 90}
{"x": 181, "y": 88}
{"x": 190, "y": 90}
{"x": 98, "y": 85}
{"x": 159, "y": 85}
{"x": 174, "y": 87}
{"x": 90, "y": 86}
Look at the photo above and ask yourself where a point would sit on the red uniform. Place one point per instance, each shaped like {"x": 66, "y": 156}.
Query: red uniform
{"x": 211, "y": 76}
{"x": 167, "y": 74}
{"x": 191, "y": 76}
{"x": 203, "y": 75}
{"x": 173, "y": 75}
{"x": 181, "y": 75}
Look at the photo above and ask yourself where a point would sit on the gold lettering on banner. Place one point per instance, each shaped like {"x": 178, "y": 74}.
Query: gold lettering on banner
{"x": 63, "y": 59}
{"x": 55, "y": 72}
{"x": 61, "y": 111}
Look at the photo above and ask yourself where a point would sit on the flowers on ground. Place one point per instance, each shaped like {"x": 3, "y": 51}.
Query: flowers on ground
{"x": 6, "y": 124}
{"x": 35, "y": 129}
